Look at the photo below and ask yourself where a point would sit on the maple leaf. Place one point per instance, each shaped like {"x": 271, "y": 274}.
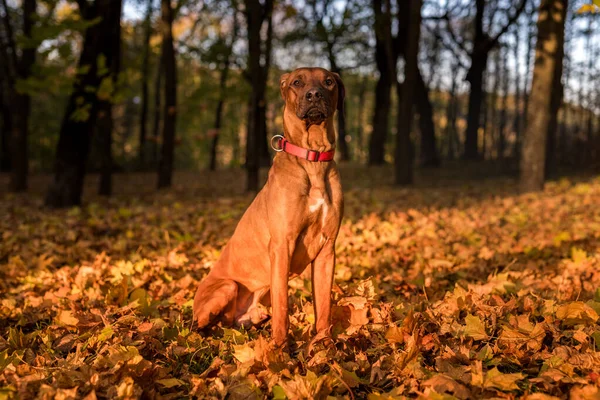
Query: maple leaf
{"x": 504, "y": 382}
{"x": 474, "y": 328}
{"x": 576, "y": 313}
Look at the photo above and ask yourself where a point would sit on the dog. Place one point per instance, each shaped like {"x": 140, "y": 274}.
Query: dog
{"x": 293, "y": 221}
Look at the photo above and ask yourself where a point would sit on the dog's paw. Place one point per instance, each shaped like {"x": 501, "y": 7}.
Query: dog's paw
{"x": 321, "y": 339}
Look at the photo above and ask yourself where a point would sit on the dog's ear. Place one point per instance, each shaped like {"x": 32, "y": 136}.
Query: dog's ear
{"x": 283, "y": 84}
{"x": 341, "y": 92}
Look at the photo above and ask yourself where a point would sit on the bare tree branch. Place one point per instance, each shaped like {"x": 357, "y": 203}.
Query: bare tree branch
{"x": 511, "y": 20}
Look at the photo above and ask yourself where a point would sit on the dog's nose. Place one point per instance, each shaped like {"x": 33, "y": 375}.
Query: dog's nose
{"x": 314, "y": 93}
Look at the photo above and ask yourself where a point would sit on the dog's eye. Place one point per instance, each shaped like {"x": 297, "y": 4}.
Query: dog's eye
{"x": 297, "y": 82}
{"x": 328, "y": 82}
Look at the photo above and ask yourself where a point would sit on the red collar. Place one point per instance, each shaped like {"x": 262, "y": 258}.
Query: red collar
{"x": 310, "y": 155}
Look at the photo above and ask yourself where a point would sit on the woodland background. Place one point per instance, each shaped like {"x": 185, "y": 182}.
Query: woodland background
{"x": 119, "y": 87}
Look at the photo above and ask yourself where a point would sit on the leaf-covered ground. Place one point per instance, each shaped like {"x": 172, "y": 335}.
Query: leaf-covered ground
{"x": 452, "y": 289}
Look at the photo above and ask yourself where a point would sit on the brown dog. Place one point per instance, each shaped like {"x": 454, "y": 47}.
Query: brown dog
{"x": 293, "y": 221}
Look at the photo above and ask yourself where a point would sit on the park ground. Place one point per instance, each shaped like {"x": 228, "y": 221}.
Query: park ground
{"x": 457, "y": 287}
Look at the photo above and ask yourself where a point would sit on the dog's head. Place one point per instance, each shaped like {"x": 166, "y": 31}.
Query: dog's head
{"x": 313, "y": 94}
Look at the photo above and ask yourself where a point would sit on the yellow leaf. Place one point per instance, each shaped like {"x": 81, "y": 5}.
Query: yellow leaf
{"x": 395, "y": 335}
{"x": 474, "y": 328}
{"x": 505, "y": 382}
{"x": 170, "y": 382}
{"x": 67, "y": 318}
{"x": 588, "y": 8}
{"x": 443, "y": 383}
{"x": 576, "y": 313}
{"x": 243, "y": 353}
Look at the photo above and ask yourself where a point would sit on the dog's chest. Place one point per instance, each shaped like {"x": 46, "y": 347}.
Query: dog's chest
{"x": 318, "y": 204}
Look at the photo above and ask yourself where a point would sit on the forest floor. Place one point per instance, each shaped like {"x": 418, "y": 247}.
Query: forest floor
{"x": 454, "y": 288}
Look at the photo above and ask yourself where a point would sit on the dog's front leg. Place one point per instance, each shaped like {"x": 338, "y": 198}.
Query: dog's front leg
{"x": 322, "y": 280}
{"x": 280, "y": 253}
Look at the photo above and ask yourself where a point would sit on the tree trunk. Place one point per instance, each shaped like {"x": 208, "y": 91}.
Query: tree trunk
{"x": 5, "y": 115}
{"x": 342, "y": 143}
{"x": 4, "y": 139}
{"x": 360, "y": 111}
{"x": 451, "y": 109}
{"x": 218, "y": 117}
{"x": 19, "y": 105}
{"x": 475, "y": 79}
{"x": 503, "y": 110}
{"x": 256, "y": 14}
{"x": 167, "y": 155}
{"x": 403, "y": 155}
{"x": 385, "y": 61}
{"x": 145, "y": 77}
{"x": 82, "y": 107}
{"x": 543, "y": 108}
{"x": 530, "y": 41}
{"x": 158, "y": 86}
{"x": 429, "y": 152}
{"x": 517, "y": 123}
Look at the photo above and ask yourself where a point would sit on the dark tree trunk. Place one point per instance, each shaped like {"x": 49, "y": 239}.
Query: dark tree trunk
{"x": 531, "y": 30}
{"x": 385, "y": 61}
{"x": 380, "y": 120}
{"x": 517, "y": 123}
{"x": 5, "y": 115}
{"x": 258, "y": 69}
{"x": 543, "y": 108}
{"x": 158, "y": 86}
{"x": 475, "y": 79}
{"x": 19, "y": 105}
{"x": 493, "y": 133}
{"x": 342, "y": 133}
{"x": 78, "y": 122}
{"x": 167, "y": 155}
{"x": 451, "y": 119}
{"x": 403, "y": 156}
{"x": 223, "y": 89}
{"x": 145, "y": 77}
{"x": 218, "y": 117}
{"x": 429, "y": 152}
{"x": 482, "y": 44}
{"x": 4, "y": 139}
{"x": 104, "y": 127}
{"x": 360, "y": 112}
{"x": 503, "y": 110}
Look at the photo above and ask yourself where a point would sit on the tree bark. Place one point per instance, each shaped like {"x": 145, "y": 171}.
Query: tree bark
{"x": 342, "y": 143}
{"x": 403, "y": 155}
{"x": 385, "y": 61}
{"x": 145, "y": 77}
{"x": 6, "y": 121}
{"x": 360, "y": 112}
{"x": 517, "y": 123}
{"x": 218, "y": 117}
{"x": 543, "y": 108}
{"x": 158, "y": 86}
{"x": 451, "y": 111}
{"x": 19, "y": 104}
{"x": 256, "y": 15}
{"x": 531, "y": 28}
{"x": 167, "y": 155}
{"x": 429, "y": 152}
{"x": 104, "y": 126}
{"x": 482, "y": 44}
{"x": 503, "y": 110}
{"x": 475, "y": 79}
{"x": 82, "y": 107}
